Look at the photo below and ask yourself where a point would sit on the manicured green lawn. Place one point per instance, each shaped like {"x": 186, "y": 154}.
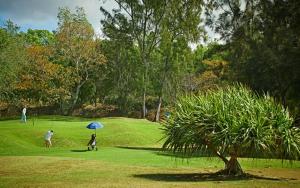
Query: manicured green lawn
{"x": 129, "y": 156}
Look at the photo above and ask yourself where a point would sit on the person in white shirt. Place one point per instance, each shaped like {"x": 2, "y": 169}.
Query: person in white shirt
{"x": 23, "y": 118}
{"x": 47, "y": 138}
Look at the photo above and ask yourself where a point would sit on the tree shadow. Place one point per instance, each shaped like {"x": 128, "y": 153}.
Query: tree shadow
{"x": 162, "y": 152}
{"x": 199, "y": 177}
{"x": 78, "y": 150}
{"x": 181, "y": 155}
{"x": 140, "y": 148}
{"x": 67, "y": 118}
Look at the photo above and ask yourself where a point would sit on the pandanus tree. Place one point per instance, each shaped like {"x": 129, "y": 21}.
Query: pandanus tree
{"x": 230, "y": 123}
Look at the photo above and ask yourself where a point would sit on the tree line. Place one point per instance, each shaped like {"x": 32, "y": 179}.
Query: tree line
{"x": 145, "y": 60}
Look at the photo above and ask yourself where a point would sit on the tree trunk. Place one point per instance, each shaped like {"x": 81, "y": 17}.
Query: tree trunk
{"x": 145, "y": 80}
{"x": 144, "y": 105}
{"x": 76, "y": 97}
{"x": 61, "y": 105}
{"x": 284, "y": 95}
{"x": 162, "y": 83}
{"x": 158, "y": 109}
{"x": 232, "y": 167}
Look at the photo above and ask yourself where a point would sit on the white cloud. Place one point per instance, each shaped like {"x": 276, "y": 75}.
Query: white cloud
{"x": 42, "y": 14}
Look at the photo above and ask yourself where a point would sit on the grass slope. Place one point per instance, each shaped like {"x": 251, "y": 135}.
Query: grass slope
{"x": 128, "y": 156}
{"x": 20, "y": 138}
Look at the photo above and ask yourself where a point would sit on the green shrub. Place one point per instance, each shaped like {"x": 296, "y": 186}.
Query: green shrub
{"x": 98, "y": 110}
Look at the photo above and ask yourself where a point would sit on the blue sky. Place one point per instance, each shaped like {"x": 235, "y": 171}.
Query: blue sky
{"x": 42, "y": 14}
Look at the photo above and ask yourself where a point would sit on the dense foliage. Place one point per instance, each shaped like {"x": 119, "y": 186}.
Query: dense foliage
{"x": 12, "y": 60}
{"x": 264, "y": 43}
{"x": 151, "y": 55}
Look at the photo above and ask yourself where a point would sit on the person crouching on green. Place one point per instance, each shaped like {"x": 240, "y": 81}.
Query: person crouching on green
{"x": 47, "y": 138}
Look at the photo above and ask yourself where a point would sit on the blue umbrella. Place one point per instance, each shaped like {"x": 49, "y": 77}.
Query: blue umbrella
{"x": 95, "y": 125}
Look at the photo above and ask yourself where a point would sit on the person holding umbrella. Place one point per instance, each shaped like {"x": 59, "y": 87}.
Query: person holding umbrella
{"x": 92, "y": 142}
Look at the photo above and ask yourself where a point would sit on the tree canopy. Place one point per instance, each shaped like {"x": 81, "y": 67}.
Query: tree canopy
{"x": 151, "y": 53}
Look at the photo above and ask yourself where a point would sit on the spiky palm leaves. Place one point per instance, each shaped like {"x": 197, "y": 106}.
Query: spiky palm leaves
{"x": 233, "y": 122}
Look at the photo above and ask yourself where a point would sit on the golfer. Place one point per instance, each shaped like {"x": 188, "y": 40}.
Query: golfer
{"x": 48, "y": 137}
{"x": 23, "y": 118}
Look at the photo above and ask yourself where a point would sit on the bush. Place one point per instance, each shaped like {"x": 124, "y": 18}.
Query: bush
{"x": 98, "y": 110}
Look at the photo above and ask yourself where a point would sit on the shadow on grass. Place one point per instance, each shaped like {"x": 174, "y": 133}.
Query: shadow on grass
{"x": 181, "y": 155}
{"x": 9, "y": 118}
{"x": 198, "y": 177}
{"x": 160, "y": 151}
{"x": 66, "y": 118}
{"x": 79, "y": 150}
{"x": 140, "y": 148}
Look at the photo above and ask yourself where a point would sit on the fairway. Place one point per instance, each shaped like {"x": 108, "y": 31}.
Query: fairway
{"x": 129, "y": 155}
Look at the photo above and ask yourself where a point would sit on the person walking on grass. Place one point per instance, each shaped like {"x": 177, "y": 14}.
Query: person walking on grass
{"x": 23, "y": 118}
{"x": 48, "y": 137}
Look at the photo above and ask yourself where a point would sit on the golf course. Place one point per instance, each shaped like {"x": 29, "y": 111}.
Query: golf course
{"x": 129, "y": 155}
{"x": 150, "y": 93}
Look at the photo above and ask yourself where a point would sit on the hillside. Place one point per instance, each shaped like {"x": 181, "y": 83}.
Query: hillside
{"x": 17, "y": 138}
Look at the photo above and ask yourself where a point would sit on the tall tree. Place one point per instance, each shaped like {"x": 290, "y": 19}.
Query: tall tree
{"x": 147, "y": 22}
{"x": 180, "y": 26}
{"x": 122, "y": 74}
{"x": 141, "y": 21}
{"x": 78, "y": 48}
{"x": 43, "y": 83}
{"x": 12, "y": 59}
{"x": 264, "y": 44}
{"x": 11, "y": 28}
